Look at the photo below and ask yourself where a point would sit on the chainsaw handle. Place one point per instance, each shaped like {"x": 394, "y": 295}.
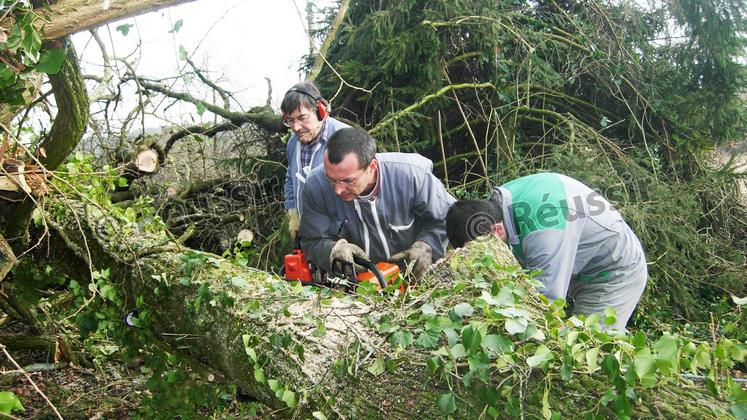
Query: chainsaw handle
{"x": 372, "y": 268}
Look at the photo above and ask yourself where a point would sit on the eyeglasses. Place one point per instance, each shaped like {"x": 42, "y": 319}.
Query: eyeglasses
{"x": 303, "y": 119}
{"x": 344, "y": 182}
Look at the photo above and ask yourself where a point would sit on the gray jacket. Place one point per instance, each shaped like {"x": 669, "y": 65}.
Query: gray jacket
{"x": 410, "y": 206}
{"x": 570, "y": 232}
{"x": 296, "y": 176}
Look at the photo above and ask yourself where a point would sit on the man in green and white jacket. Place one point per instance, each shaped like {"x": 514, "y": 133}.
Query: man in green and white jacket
{"x": 556, "y": 224}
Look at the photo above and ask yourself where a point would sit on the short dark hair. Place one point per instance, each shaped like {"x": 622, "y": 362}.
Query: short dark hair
{"x": 305, "y": 94}
{"x": 351, "y": 140}
{"x": 469, "y": 219}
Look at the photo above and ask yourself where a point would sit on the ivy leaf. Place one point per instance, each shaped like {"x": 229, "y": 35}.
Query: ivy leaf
{"x": 289, "y": 398}
{"x": 666, "y": 349}
{"x": 37, "y": 217}
{"x": 591, "y": 359}
{"x": 9, "y": 402}
{"x": 31, "y": 43}
{"x": 505, "y": 297}
{"x": 377, "y": 367}
{"x": 50, "y": 61}
{"x": 645, "y": 367}
{"x": 566, "y": 372}
{"x": 426, "y": 341}
{"x": 495, "y": 344}
{"x": 125, "y": 28}
{"x": 546, "y": 412}
{"x": 447, "y": 403}
{"x": 610, "y": 316}
{"x": 200, "y": 107}
{"x": 534, "y": 333}
{"x": 451, "y": 336}
{"x": 463, "y": 310}
{"x": 571, "y": 338}
{"x": 478, "y": 361}
{"x": 516, "y": 325}
{"x": 428, "y": 310}
{"x": 471, "y": 338}
{"x": 183, "y": 53}
{"x": 639, "y": 340}
{"x": 259, "y": 375}
{"x": 739, "y": 410}
{"x": 541, "y": 356}
{"x": 402, "y": 339}
{"x": 177, "y": 25}
{"x": 458, "y": 351}
{"x": 608, "y": 396}
{"x": 274, "y": 384}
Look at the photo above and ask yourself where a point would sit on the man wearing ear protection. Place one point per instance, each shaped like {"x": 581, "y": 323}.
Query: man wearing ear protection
{"x": 306, "y": 113}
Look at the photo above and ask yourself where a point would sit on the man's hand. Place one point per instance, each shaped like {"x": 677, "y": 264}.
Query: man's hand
{"x": 345, "y": 253}
{"x": 420, "y": 255}
{"x": 294, "y": 221}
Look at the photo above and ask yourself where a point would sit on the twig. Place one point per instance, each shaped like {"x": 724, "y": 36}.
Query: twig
{"x": 443, "y": 152}
{"x": 28, "y": 377}
{"x": 331, "y": 67}
{"x": 441, "y": 92}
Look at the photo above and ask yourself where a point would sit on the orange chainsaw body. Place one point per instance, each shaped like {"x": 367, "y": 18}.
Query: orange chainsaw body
{"x": 298, "y": 268}
{"x": 388, "y": 270}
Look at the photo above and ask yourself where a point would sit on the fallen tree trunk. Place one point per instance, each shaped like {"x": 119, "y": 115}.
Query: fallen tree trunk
{"x": 443, "y": 351}
{"x": 66, "y": 17}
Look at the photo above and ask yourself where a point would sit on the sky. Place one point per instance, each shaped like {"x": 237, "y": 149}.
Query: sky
{"x": 240, "y": 42}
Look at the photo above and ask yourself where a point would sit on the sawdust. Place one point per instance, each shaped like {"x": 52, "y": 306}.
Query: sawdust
{"x": 343, "y": 324}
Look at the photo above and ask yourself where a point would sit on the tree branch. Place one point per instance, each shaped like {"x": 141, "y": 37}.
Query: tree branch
{"x": 67, "y": 17}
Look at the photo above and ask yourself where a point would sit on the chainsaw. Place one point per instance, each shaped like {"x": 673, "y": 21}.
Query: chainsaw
{"x": 298, "y": 268}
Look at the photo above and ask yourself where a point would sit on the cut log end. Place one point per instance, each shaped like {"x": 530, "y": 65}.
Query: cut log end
{"x": 147, "y": 161}
{"x": 7, "y": 184}
{"x": 245, "y": 235}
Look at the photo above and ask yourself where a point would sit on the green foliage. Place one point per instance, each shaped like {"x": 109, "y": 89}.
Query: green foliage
{"x": 9, "y": 403}
{"x": 23, "y": 53}
{"x": 508, "y": 331}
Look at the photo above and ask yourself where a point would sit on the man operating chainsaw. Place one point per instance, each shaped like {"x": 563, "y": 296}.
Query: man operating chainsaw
{"x": 373, "y": 206}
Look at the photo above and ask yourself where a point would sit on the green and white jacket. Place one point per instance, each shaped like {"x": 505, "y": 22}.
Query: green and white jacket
{"x": 570, "y": 232}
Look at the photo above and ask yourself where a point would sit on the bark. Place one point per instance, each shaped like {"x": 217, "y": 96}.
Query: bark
{"x": 72, "y": 111}
{"x": 7, "y": 258}
{"x": 28, "y": 342}
{"x": 209, "y": 312}
{"x": 67, "y": 17}
{"x": 67, "y": 129}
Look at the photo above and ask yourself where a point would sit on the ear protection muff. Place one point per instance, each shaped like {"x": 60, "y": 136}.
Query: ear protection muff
{"x": 322, "y": 107}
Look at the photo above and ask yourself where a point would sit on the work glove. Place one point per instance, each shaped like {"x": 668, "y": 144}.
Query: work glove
{"x": 344, "y": 253}
{"x": 294, "y": 221}
{"x": 419, "y": 256}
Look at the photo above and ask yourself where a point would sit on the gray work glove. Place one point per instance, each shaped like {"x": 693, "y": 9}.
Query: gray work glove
{"x": 345, "y": 252}
{"x": 294, "y": 221}
{"x": 419, "y": 256}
